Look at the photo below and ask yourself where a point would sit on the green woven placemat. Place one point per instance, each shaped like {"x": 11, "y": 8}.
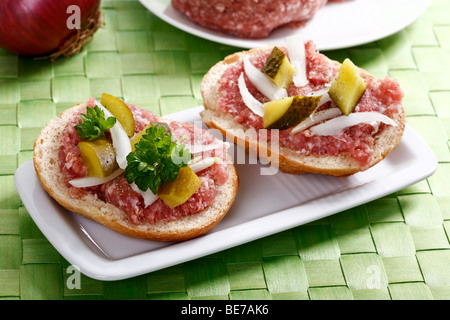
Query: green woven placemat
{"x": 396, "y": 247}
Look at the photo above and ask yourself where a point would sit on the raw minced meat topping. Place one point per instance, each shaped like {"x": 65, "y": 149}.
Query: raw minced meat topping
{"x": 248, "y": 18}
{"x": 119, "y": 193}
{"x": 382, "y": 95}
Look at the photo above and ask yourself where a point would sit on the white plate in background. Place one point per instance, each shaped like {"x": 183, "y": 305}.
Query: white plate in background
{"x": 335, "y": 26}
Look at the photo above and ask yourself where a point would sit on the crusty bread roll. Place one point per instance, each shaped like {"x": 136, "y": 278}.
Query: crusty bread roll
{"x": 47, "y": 167}
{"x": 286, "y": 159}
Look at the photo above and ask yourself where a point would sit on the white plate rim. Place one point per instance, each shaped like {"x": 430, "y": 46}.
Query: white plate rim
{"x": 71, "y": 242}
{"x": 416, "y": 9}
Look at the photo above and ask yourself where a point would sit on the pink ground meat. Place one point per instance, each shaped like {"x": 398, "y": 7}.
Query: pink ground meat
{"x": 249, "y": 18}
{"x": 383, "y": 96}
{"x": 119, "y": 193}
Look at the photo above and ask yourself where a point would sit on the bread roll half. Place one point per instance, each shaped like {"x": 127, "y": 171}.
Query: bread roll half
{"x": 90, "y": 206}
{"x": 286, "y": 158}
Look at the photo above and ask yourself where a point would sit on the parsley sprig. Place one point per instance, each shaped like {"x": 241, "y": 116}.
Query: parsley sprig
{"x": 93, "y": 124}
{"x": 156, "y": 159}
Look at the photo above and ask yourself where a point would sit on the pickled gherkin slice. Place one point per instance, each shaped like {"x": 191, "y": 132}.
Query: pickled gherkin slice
{"x": 288, "y": 112}
{"x": 120, "y": 111}
{"x": 348, "y": 87}
{"x": 99, "y": 157}
{"x": 181, "y": 189}
{"x": 279, "y": 69}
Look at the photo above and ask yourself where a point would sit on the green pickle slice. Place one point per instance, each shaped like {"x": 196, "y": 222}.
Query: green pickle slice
{"x": 348, "y": 87}
{"x": 285, "y": 113}
{"x": 99, "y": 156}
{"x": 279, "y": 69}
{"x": 120, "y": 110}
{"x": 181, "y": 189}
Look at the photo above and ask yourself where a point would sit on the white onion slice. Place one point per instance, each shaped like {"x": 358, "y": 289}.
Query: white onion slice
{"x": 337, "y": 125}
{"x": 147, "y": 195}
{"x": 94, "y": 181}
{"x": 196, "y": 148}
{"x": 120, "y": 139}
{"x": 262, "y": 82}
{"x": 194, "y": 160}
{"x": 324, "y": 93}
{"x": 248, "y": 99}
{"x": 297, "y": 56}
{"x": 197, "y": 166}
{"x": 317, "y": 117}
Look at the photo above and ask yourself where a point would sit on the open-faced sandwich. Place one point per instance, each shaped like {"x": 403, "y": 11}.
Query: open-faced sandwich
{"x": 134, "y": 172}
{"x": 324, "y": 117}
{"x": 249, "y": 18}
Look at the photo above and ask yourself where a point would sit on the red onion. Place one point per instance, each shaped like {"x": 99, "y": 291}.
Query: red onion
{"x": 47, "y": 27}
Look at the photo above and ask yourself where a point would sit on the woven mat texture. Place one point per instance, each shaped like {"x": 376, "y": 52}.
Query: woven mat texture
{"x": 396, "y": 247}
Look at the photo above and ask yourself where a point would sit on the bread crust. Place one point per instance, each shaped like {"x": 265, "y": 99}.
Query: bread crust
{"x": 287, "y": 160}
{"x": 46, "y": 164}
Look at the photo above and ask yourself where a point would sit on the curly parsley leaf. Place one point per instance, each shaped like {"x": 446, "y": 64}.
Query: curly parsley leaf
{"x": 93, "y": 124}
{"x": 156, "y": 160}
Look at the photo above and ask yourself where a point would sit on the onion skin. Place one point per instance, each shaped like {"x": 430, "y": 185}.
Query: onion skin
{"x": 39, "y": 27}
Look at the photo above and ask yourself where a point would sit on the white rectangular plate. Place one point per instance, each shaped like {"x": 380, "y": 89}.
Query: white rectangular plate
{"x": 265, "y": 204}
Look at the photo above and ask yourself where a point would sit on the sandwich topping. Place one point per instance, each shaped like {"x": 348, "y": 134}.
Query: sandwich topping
{"x": 171, "y": 170}
{"x": 342, "y": 112}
